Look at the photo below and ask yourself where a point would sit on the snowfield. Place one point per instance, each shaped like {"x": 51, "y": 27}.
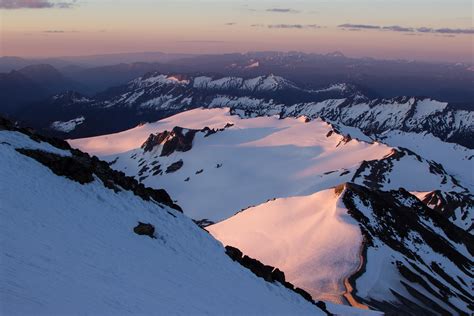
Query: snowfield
{"x": 260, "y": 158}
{"x": 248, "y": 163}
{"x": 67, "y": 248}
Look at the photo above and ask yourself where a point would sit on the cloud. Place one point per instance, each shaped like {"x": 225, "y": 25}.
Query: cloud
{"x": 293, "y": 26}
{"x": 398, "y": 28}
{"x": 424, "y": 29}
{"x": 282, "y": 10}
{"x": 455, "y": 31}
{"x": 58, "y": 31}
{"x": 359, "y": 26}
{"x": 35, "y": 4}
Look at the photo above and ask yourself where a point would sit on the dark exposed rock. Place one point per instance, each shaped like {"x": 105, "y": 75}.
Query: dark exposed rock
{"x": 396, "y": 217}
{"x": 60, "y": 165}
{"x": 113, "y": 161}
{"x": 278, "y": 275}
{"x": 322, "y": 306}
{"x": 344, "y": 173}
{"x": 303, "y": 293}
{"x": 178, "y": 139}
{"x": 258, "y": 268}
{"x": 143, "y": 170}
{"x": 145, "y": 229}
{"x": 210, "y": 131}
{"x": 203, "y": 222}
{"x": 446, "y": 203}
{"x": 156, "y": 170}
{"x": 186, "y": 180}
{"x": 234, "y": 253}
{"x": 199, "y": 171}
{"x": 218, "y": 165}
{"x": 175, "y": 166}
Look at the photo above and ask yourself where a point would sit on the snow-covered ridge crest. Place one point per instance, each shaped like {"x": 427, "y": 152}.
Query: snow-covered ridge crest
{"x": 261, "y": 83}
{"x": 157, "y": 79}
{"x": 389, "y": 249}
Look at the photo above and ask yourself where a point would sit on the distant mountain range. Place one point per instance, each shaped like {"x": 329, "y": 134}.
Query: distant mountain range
{"x": 155, "y": 95}
{"x": 31, "y": 83}
{"x": 379, "y": 78}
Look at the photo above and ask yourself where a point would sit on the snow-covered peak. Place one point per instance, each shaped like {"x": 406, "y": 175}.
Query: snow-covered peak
{"x": 157, "y": 79}
{"x": 67, "y": 126}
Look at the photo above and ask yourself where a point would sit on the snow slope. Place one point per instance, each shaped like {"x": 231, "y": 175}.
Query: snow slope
{"x": 298, "y": 234}
{"x": 245, "y": 164}
{"x": 69, "y": 248}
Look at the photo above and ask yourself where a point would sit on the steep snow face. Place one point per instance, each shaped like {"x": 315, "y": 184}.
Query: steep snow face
{"x": 246, "y": 163}
{"x": 311, "y": 238}
{"x": 63, "y": 244}
{"x": 68, "y": 126}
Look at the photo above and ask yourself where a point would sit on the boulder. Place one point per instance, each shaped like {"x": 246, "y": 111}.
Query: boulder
{"x": 175, "y": 166}
{"x": 145, "y": 229}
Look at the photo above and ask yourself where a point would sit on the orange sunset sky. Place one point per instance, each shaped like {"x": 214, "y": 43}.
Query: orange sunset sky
{"x": 418, "y": 29}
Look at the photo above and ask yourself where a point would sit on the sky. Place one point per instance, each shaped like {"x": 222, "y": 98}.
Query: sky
{"x": 400, "y": 29}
